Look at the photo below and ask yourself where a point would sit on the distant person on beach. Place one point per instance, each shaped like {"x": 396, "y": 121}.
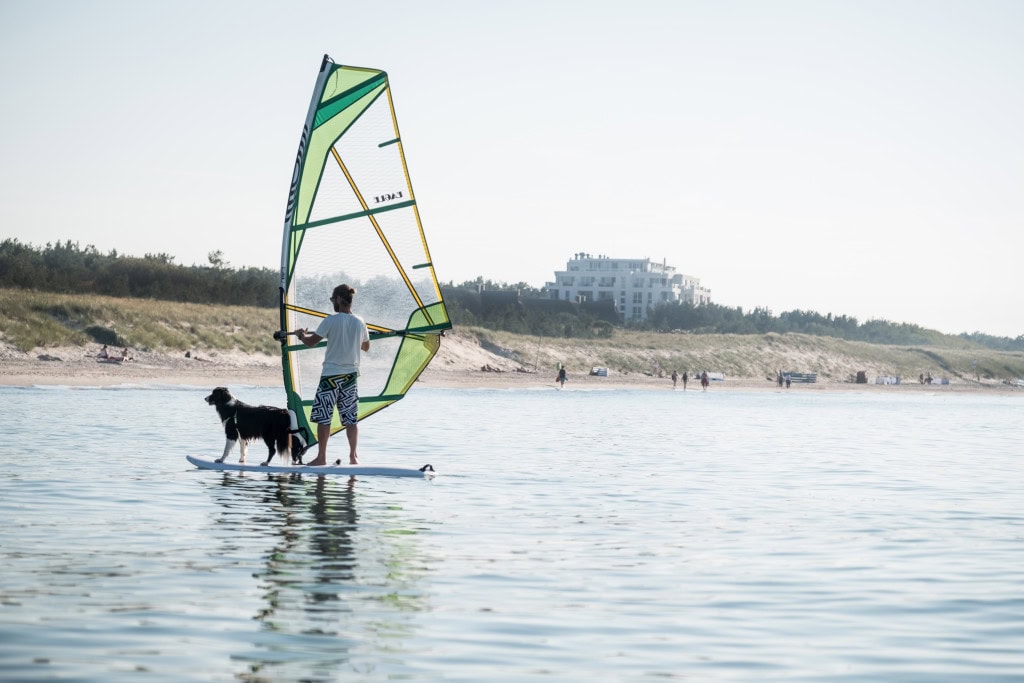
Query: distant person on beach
{"x": 106, "y": 354}
{"x": 704, "y": 380}
{"x": 788, "y": 380}
{"x": 675, "y": 378}
{"x": 561, "y": 378}
{"x": 346, "y": 335}
{"x": 686, "y": 376}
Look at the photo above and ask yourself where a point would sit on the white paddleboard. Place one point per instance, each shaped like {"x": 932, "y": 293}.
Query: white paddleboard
{"x": 368, "y": 470}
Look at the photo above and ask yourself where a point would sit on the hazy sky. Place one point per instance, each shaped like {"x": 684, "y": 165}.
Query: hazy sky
{"x": 862, "y": 158}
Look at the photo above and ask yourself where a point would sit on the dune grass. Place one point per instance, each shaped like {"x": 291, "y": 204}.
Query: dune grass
{"x": 754, "y": 355}
{"x": 30, "y": 320}
{"x": 43, "y": 319}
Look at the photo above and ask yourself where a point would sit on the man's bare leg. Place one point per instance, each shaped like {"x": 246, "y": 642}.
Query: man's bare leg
{"x": 352, "y": 431}
{"x": 323, "y": 433}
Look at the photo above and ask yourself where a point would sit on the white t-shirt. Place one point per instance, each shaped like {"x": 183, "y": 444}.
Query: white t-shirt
{"x": 345, "y": 334}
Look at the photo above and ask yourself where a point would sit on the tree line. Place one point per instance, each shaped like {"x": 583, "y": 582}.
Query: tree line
{"x": 67, "y": 267}
{"x": 726, "y": 320}
{"x": 516, "y": 314}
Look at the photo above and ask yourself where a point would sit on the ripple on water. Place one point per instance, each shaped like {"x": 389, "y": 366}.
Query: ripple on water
{"x": 570, "y": 536}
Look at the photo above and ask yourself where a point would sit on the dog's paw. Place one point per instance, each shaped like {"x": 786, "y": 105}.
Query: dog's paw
{"x": 221, "y": 459}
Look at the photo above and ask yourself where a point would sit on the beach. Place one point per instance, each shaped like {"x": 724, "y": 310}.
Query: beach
{"x": 461, "y": 363}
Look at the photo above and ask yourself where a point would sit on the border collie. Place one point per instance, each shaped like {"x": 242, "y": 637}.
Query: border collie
{"x": 244, "y": 423}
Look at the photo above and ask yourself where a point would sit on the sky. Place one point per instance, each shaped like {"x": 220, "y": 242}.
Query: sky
{"x": 856, "y": 158}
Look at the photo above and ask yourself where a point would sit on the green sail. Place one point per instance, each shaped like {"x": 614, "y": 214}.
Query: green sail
{"x": 352, "y": 218}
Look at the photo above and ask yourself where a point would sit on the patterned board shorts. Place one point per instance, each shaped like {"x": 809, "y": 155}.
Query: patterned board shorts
{"x": 340, "y": 390}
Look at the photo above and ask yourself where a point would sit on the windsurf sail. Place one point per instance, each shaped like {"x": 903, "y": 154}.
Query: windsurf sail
{"x": 352, "y": 218}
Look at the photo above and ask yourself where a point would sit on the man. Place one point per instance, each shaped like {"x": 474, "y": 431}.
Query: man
{"x": 346, "y": 335}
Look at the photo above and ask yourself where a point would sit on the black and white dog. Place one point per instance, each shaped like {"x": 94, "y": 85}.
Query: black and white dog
{"x": 244, "y": 423}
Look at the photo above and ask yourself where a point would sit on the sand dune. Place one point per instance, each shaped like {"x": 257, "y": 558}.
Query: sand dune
{"x": 462, "y": 362}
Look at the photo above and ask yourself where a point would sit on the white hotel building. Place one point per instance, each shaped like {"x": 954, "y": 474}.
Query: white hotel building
{"x": 635, "y": 286}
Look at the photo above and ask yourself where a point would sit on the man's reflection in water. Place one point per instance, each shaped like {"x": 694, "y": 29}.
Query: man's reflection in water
{"x": 322, "y": 598}
{"x": 314, "y": 553}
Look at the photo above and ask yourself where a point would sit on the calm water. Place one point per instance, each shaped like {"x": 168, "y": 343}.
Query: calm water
{"x": 571, "y": 536}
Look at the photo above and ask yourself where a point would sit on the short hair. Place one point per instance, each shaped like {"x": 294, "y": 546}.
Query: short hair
{"x": 344, "y": 292}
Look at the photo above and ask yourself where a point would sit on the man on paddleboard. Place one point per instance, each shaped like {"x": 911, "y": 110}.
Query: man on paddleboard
{"x": 346, "y": 335}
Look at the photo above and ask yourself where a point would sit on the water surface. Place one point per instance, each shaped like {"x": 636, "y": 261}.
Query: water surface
{"x": 572, "y": 535}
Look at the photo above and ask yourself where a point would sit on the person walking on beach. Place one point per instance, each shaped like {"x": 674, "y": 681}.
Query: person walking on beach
{"x": 686, "y": 376}
{"x": 675, "y": 378}
{"x": 346, "y": 335}
{"x": 561, "y": 377}
{"x": 704, "y": 380}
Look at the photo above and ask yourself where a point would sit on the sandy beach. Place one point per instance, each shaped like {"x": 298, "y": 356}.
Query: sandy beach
{"x": 461, "y": 363}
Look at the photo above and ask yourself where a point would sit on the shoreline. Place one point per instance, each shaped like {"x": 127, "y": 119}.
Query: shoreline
{"x": 80, "y": 367}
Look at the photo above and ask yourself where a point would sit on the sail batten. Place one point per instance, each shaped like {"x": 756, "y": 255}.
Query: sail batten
{"x": 352, "y": 218}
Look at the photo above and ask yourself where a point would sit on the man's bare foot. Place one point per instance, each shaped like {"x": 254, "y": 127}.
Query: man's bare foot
{"x": 353, "y": 461}
{"x": 317, "y": 463}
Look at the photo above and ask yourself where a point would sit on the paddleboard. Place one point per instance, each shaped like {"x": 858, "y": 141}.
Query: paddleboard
{"x": 362, "y": 470}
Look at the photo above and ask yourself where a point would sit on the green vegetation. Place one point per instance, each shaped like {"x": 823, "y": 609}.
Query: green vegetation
{"x": 68, "y": 268}
{"x": 749, "y": 355}
{"x": 41, "y": 319}
{"x": 725, "y": 320}
{"x": 524, "y": 310}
